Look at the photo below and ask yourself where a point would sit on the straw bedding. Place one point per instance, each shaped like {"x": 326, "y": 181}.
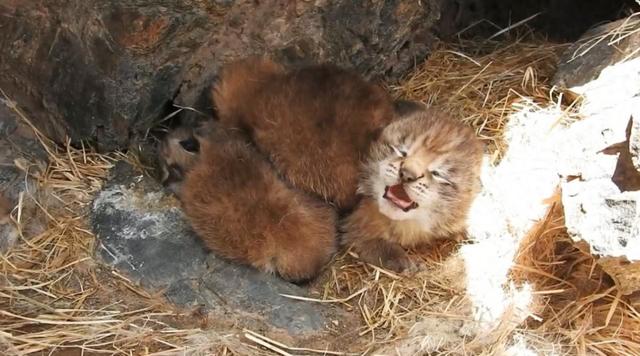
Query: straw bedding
{"x": 54, "y": 296}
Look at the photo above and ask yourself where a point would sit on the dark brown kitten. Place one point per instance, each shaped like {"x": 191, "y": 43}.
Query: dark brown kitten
{"x": 314, "y": 123}
{"x": 242, "y": 211}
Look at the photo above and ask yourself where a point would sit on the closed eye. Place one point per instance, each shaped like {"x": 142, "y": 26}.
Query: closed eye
{"x": 399, "y": 152}
{"x": 439, "y": 176}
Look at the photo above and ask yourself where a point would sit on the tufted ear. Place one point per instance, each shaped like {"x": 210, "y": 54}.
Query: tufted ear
{"x": 375, "y": 134}
{"x": 404, "y": 108}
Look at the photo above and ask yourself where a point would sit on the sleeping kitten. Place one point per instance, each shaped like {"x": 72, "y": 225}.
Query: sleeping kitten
{"x": 242, "y": 211}
{"x": 314, "y": 123}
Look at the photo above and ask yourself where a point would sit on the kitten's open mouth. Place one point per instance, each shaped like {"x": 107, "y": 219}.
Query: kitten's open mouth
{"x": 399, "y": 197}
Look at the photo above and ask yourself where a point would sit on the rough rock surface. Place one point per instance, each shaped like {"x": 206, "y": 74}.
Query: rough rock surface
{"x": 106, "y": 71}
{"x": 586, "y": 58}
{"x": 634, "y": 142}
{"x": 601, "y": 189}
{"x": 142, "y": 232}
{"x": 8, "y": 233}
{"x": 18, "y": 145}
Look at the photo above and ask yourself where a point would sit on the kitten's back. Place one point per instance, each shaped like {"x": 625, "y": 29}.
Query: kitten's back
{"x": 242, "y": 211}
{"x": 314, "y": 124}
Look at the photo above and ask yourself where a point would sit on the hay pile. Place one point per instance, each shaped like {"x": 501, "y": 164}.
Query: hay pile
{"x": 580, "y": 309}
{"x": 480, "y": 82}
{"x": 583, "y": 309}
{"x": 54, "y": 296}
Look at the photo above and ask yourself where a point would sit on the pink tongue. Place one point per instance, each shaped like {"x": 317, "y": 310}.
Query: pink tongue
{"x": 398, "y": 195}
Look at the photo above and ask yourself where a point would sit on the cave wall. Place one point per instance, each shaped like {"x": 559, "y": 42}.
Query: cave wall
{"x": 106, "y": 72}
{"x": 558, "y": 20}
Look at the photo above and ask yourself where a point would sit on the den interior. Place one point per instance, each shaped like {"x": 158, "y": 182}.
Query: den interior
{"x": 96, "y": 256}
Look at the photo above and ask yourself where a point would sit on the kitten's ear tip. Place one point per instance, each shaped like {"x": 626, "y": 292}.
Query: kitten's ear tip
{"x": 376, "y": 134}
{"x": 404, "y": 108}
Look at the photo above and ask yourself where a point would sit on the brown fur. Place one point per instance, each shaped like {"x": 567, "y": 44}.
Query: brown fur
{"x": 244, "y": 212}
{"x": 314, "y": 123}
{"x": 443, "y": 159}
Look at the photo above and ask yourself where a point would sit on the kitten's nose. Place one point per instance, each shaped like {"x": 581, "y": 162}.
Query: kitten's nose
{"x": 174, "y": 174}
{"x": 406, "y": 175}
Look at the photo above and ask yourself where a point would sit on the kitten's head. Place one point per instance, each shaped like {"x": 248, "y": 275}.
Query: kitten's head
{"x": 179, "y": 151}
{"x": 425, "y": 167}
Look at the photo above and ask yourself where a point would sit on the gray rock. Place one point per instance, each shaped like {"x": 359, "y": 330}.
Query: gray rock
{"x": 142, "y": 232}
{"x": 601, "y": 185}
{"x": 8, "y": 233}
{"x": 586, "y": 58}
{"x": 18, "y": 144}
{"x": 591, "y": 159}
{"x": 601, "y": 205}
{"x": 634, "y": 142}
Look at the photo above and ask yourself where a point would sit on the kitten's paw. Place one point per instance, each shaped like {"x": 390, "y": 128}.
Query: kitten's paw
{"x": 385, "y": 254}
{"x": 400, "y": 263}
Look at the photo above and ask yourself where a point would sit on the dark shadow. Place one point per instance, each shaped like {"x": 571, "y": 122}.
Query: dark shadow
{"x": 625, "y": 175}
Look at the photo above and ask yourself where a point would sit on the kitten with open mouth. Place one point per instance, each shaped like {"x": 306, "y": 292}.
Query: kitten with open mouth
{"x": 398, "y": 196}
{"x": 419, "y": 181}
